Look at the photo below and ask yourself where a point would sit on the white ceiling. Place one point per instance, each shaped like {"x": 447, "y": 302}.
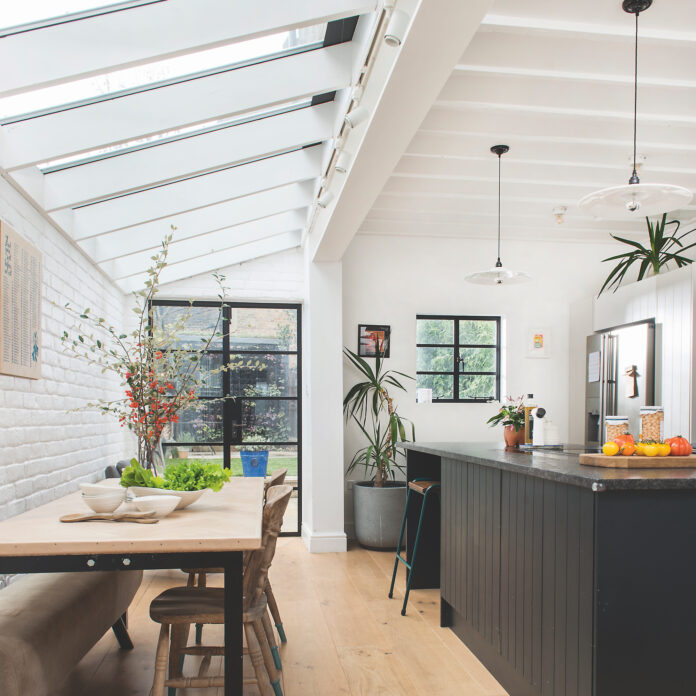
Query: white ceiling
{"x": 553, "y": 79}
{"x": 215, "y": 116}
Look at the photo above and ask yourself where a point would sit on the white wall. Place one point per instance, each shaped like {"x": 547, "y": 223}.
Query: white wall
{"x": 44, "y": 449}
{"x": 389, "y": 280}
{"x": 275, "y": 278}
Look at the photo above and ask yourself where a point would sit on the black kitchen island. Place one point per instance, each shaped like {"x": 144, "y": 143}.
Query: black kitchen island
{"x": 564, "y": 580}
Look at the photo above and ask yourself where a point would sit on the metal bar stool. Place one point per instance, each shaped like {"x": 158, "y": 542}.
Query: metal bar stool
{"x": 423, "y": 487}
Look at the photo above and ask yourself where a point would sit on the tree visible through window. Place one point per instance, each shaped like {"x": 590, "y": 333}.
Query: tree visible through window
{"x": 458, "y": 357}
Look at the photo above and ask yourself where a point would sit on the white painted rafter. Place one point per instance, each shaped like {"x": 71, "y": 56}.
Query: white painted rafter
{"x": 149, "y": 235}
{"x": 182, "y": 158}
{"x": 180, "y": 105}
{"x": 221, "y": 259}
{"x": 209, "y": 243}
{"x": 166, "y": 29}
{"x": 163, "y": 202}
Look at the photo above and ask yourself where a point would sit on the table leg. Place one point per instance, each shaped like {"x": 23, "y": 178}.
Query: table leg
{"x": 233, "y": 624}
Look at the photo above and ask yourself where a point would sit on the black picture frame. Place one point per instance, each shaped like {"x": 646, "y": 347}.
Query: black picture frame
{"x": 368, "y": 336}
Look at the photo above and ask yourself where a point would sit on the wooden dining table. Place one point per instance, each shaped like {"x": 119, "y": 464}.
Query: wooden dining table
{"x": 211, "y": 533}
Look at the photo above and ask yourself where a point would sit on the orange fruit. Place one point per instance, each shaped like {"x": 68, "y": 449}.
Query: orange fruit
{"x": 627, "y": 449}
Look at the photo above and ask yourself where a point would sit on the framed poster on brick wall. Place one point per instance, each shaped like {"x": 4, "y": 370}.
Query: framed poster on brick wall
{"x": 20, "y": 306}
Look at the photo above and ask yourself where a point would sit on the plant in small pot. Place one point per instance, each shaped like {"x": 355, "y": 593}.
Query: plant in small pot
{"x": 378, "y": 504}
{"x": 254, "y": 457}
{"x": 511, "y": 416}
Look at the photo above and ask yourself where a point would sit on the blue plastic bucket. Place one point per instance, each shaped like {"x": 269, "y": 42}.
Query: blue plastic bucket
{"x": 254, "y": 463}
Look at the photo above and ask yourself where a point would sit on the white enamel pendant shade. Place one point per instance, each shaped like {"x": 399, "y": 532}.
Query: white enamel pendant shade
{"x": 633, "y": 201}
{"x": 497, "y": 276}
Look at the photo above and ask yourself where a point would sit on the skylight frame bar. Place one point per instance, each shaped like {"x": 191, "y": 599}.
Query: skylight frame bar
{"x": 218, "y": 70}
{"x": 187, "y": 178}
{"x": 75, "y": 16}
{"x": 173, "y": 138}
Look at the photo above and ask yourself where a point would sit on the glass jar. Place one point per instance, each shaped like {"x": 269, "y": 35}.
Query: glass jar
{"x": 615, "y": 426}
{"x": 652, "y": 423}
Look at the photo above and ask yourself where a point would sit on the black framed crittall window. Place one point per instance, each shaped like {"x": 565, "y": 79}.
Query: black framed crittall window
{"x": 257, "y": 403}
{"x": 458, "y": 357}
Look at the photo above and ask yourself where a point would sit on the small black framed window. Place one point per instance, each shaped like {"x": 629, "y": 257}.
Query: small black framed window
{"x": 458, "y": 357}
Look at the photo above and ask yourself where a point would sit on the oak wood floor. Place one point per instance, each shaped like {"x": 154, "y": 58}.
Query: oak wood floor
{"x": 345, "y": 637}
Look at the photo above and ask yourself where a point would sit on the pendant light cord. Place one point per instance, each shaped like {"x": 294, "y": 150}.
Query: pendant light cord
{"x": 634, "y": 177}
{"x": 498, "y": 263}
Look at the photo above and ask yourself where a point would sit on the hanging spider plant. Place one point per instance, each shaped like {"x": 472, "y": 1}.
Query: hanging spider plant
{"x": 662, "y": 249}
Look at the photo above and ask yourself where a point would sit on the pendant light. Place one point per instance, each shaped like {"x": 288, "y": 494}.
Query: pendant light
{"x": 498, "y": 275}
{"x": 635, "y": 200}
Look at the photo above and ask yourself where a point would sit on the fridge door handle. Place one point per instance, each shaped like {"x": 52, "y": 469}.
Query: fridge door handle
{"x": 602, "y": 389}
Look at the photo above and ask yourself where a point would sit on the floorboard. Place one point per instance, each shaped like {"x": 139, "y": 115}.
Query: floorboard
{"x": 345, "y": 637}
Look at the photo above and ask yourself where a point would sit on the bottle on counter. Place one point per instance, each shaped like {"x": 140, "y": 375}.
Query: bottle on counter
{"x": 529, "y": 406}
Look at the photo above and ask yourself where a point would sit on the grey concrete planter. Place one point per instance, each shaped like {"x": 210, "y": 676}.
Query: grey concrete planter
{"x": 378, "y": 513}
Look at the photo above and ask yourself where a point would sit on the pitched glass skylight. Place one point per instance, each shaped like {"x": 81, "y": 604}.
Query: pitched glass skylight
{"x": 118, "y": 83}
{"x": 169, "y": 136}
{"x": 34, "y": 14}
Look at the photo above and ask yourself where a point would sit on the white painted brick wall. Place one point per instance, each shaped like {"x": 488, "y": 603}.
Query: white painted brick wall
{"x": 45, "y": 450}
{"x": 275, "y": 278}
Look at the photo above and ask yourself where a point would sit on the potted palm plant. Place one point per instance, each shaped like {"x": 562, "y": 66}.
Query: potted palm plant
{"x": 378, "y": 503}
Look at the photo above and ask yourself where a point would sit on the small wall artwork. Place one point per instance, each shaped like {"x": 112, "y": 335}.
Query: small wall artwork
{"x": 538, "y": 341}
{"x": 373, "y": 338}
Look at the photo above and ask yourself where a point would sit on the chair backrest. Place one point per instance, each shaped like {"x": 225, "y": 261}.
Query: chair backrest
{"x": 277, "y": 479}
{"x": 259, "y": 560}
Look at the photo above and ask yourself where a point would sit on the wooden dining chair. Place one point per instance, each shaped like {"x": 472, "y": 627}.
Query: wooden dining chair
{"x": 179, "y": 607}
{"x": 197, "y": 577}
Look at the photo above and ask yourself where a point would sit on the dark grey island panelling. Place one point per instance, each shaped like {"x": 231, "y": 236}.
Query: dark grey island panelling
{"x": 562, "y": 582}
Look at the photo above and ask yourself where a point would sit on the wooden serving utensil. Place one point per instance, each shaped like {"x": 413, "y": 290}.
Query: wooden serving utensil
{"x": 140, "y": 517}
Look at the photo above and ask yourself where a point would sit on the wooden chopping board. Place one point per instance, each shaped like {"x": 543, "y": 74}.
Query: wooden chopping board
{"x": 636, "y": 462}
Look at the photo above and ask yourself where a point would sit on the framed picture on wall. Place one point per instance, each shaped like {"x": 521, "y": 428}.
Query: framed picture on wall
{"x": 538, "y": 342}
{"x": 373, "y": 338}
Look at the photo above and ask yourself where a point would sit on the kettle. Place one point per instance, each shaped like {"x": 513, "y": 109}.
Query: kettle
{"x": 545, "y": 433}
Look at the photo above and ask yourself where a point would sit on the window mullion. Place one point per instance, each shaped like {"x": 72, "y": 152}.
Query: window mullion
{"x": 455, "y": 379}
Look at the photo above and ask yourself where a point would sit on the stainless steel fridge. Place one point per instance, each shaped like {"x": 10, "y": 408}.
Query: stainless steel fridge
{"x": 619, "y": 377}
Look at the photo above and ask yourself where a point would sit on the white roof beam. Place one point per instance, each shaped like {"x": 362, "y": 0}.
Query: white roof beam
{"x": 575, "y": 25}
{"x": 208, "y": 243}
{"x": 190, "y": 194}
{"x": 196, "y": 154}
{"x": 188, "y": 103}
{"x": 613, "y": 100}
{"x": 190, "y": 224}
{"x": 219, "y": 260}
{"x": 610, "y": 57}
{"x": 411, "y": 82}
{"x": 143, "y": 34}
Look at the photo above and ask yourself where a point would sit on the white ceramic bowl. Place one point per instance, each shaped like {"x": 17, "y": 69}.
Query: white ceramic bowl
{"x": 161, "y": 504}
{"x": 103, "y": 503}
{"x": 185, "y": 497}
{"x": 101, "y": 488}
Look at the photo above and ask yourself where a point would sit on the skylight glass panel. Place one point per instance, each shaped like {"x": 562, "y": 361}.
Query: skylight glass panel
{"x": 159, "y": 73}
{"x": 169, "y": 136}
{"x": 16, "y": 15}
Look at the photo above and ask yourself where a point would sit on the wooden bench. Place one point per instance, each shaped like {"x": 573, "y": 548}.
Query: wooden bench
{"x": 49, "y": 621}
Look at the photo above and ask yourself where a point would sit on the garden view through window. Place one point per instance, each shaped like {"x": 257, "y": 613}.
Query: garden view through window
{"x": 458, "y": 357}
{"x": 255, "y": 405}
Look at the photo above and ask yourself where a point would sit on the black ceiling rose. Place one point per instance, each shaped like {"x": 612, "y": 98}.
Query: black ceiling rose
{"x": 636, "y": 6}
{"x": 500, "y": 149}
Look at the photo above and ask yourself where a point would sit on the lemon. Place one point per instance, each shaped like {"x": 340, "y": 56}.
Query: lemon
{"x": 610, "y": 448}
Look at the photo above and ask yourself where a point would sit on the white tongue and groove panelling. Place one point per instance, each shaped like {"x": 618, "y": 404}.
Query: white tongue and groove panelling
{"x": 667, "y": 298}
